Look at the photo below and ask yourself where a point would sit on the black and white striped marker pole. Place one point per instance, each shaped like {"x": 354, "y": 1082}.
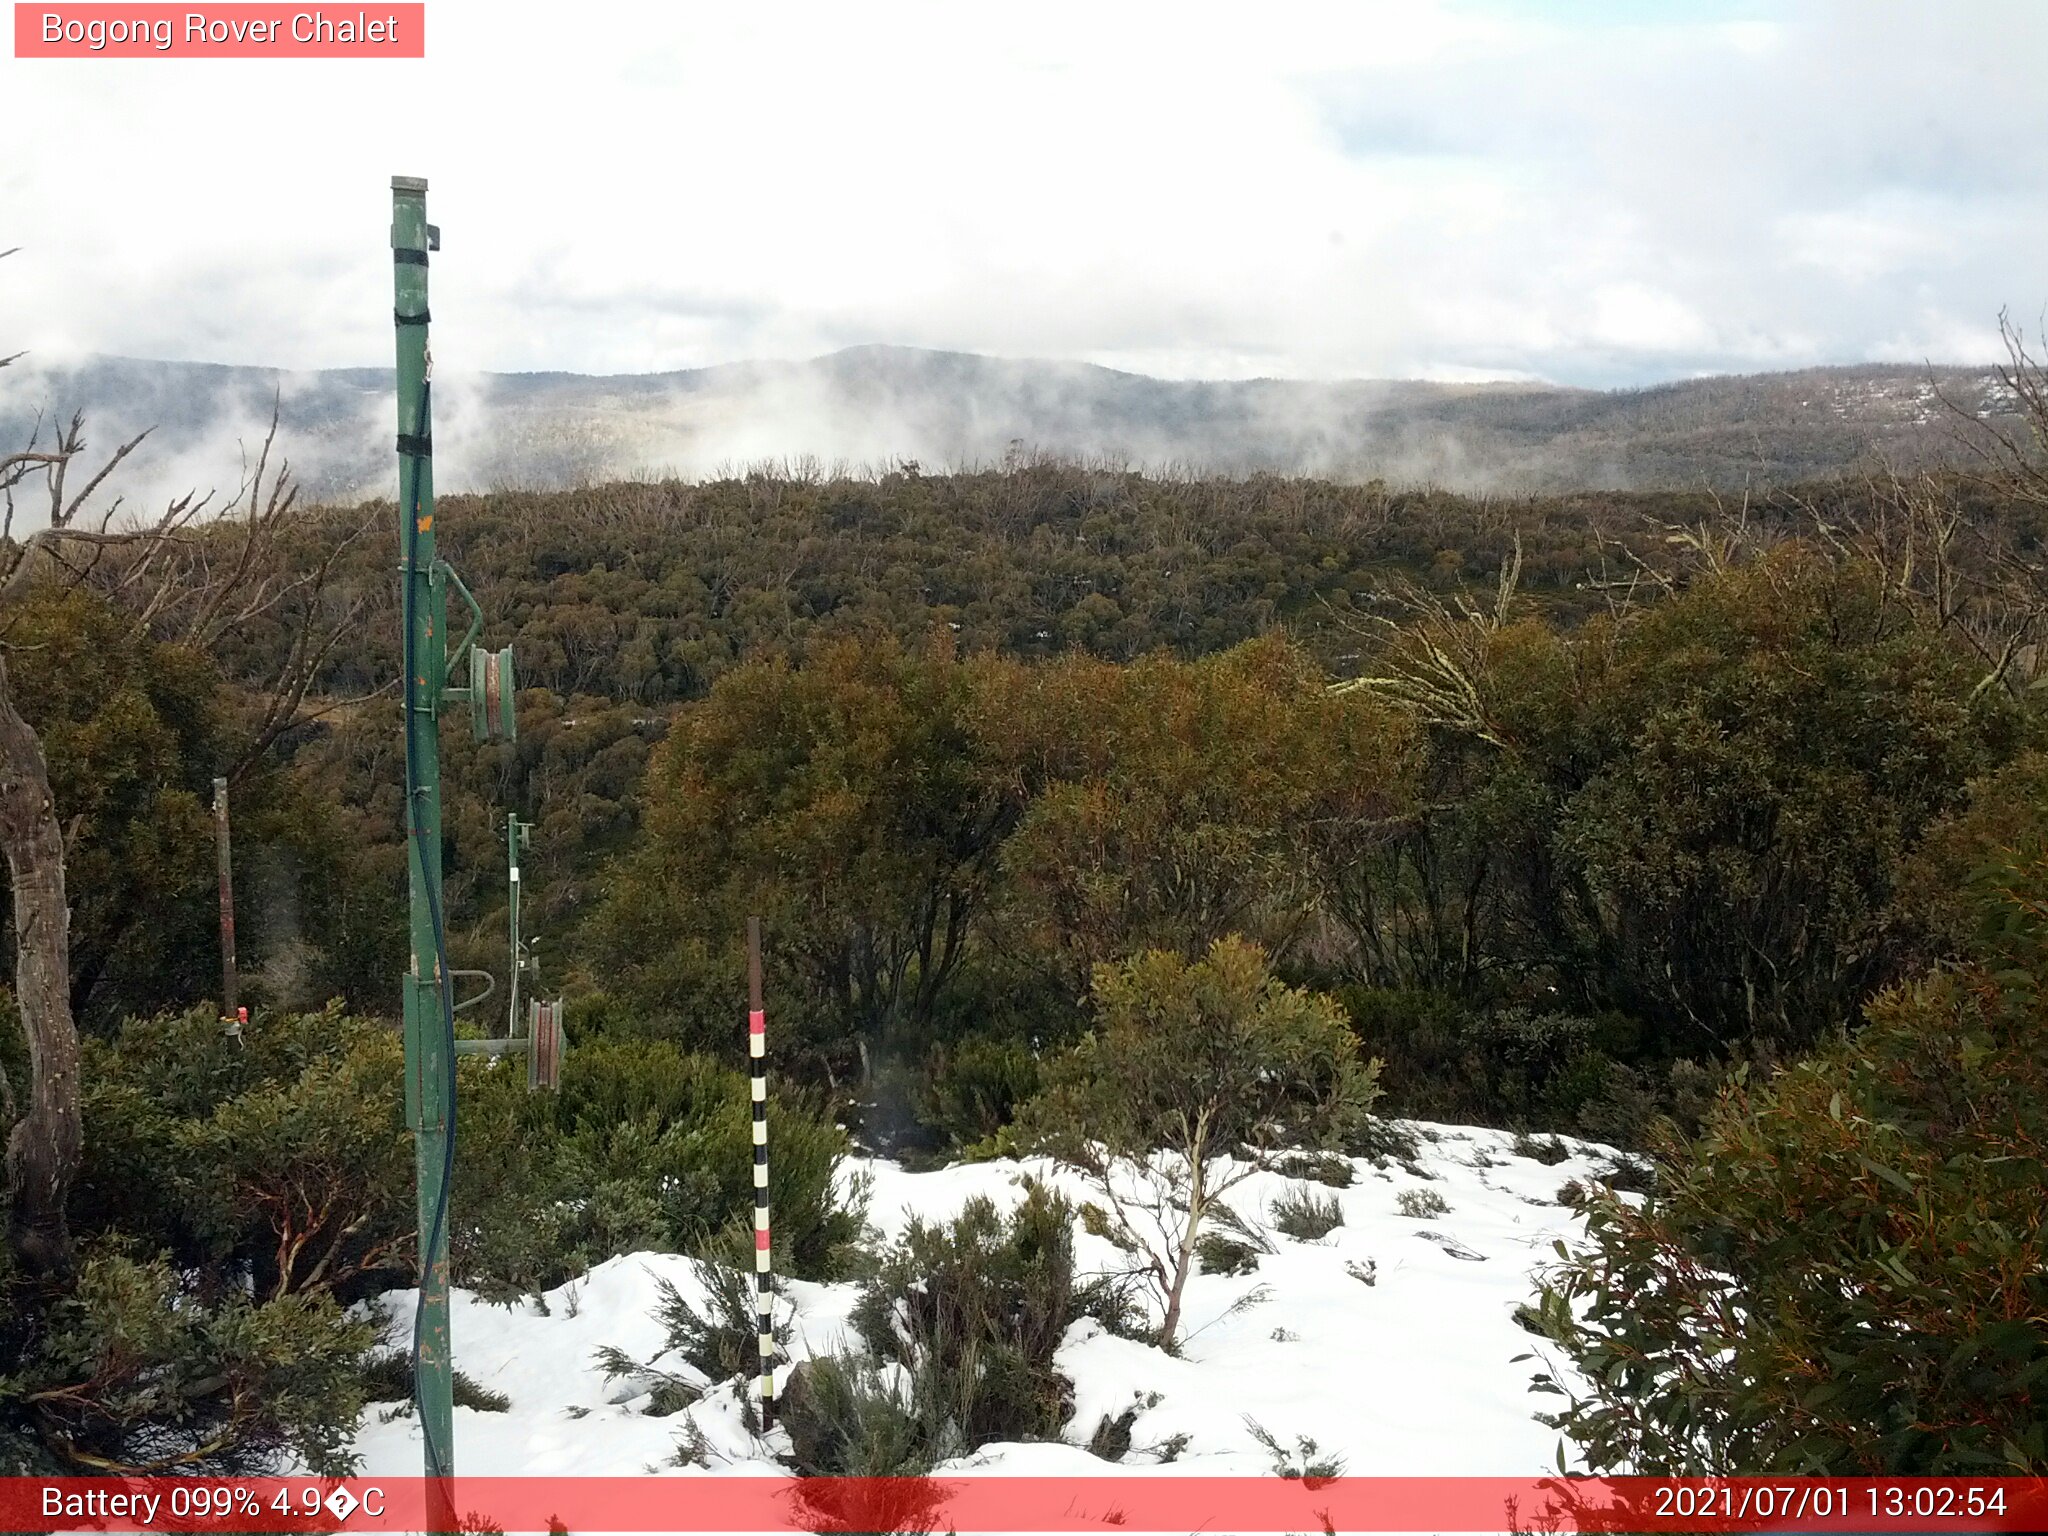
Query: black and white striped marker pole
{"x": 757, "y": 1049}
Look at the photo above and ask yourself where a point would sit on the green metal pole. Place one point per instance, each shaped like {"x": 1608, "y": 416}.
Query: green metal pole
{"x": 429, "y": 1061}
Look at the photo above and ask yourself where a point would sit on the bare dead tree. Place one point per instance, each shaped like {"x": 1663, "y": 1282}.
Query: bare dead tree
{"x": 2008, "y": 436}
{"x": 1967, "y": 574}
{"x": 1955, "y": 572}
{"x": 179, "y": 580}
{"x": 239, "y": 572}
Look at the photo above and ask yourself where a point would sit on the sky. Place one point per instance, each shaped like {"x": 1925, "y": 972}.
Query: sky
{"x": 1597, "y": 194}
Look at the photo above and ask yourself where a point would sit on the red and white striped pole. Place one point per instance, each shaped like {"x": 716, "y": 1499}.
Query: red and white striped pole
{"x": 757, "y": 1049}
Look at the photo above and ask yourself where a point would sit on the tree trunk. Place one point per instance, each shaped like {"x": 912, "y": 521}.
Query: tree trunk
{"x": 1198, "y": 1207}
{"x": 1184, "y": 1263}
{"x": 43, "y": 1151}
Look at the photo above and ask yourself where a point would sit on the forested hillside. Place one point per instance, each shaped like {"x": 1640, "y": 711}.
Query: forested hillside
{"x": 1572, "y": 815}
{"x": 870, "y": 408}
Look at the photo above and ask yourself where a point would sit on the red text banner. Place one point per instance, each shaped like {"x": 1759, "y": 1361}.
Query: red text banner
{"x": 1124, "y": 1505}
{"x": 228, "y": 31}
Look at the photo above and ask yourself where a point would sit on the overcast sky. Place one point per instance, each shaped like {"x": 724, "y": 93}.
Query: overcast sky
{"x": 1592, "y": 193}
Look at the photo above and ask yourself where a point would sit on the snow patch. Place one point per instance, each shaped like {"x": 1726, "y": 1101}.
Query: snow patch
{"x": 1411, "y": 1372}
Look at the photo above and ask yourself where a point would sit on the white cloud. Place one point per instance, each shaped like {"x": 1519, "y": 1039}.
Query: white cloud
{"x": 1589, "y": 194}
{"x": 1632, "y": 317}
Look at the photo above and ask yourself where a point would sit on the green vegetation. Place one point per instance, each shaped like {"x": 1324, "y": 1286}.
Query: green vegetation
{"x": 1197, "y": 1075}
{"x": 958, "y": 1327}
{"x": 1306, "y": 1215}
{"x": 1064, "y": 840}
{"x": 1843, "y": 1272}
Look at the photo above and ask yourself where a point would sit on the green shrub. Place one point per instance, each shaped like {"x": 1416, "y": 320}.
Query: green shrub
{"x": 611, "y": 1082}
{"x": 1320, "y": 1167}
{"x": 283, "y": 1162}
{"x": 1845, "y": 1272}
{"x": 1199, "y": 1074}
{"x": 135, "y": 1369}
{"x": 849, "y": 1415}
{"x": 974, "y": 1311}
{"x": 972, "y": 1090}
{"x": 1218, "y": 1253}
{"x": 1598, "y": 1076}
{"x": 1446, "y": 1060}
{"x": 387, "y": 1378}
{"x": 646, "y": 1147}
{"x": 960, "y": 1324}
{"x": 1422, "y": 1203}
{"x": 723, "y": 1340}
{"x": 1307, "y": 1216}
{"x": 1111, "y": 1300}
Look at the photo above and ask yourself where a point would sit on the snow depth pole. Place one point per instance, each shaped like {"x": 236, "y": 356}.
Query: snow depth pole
{"x": 429, "y": 1001}
{"x": 757, "y": 1049}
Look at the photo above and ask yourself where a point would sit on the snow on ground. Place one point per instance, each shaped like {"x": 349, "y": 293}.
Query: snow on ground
{"x": 1412, "y": 1374}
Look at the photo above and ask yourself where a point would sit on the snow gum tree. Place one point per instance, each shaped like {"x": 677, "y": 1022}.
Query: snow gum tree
{"x": 1195, "y": 1074}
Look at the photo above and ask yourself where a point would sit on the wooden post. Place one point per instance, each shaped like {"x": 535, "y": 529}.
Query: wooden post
{"x": 228, "y": 977}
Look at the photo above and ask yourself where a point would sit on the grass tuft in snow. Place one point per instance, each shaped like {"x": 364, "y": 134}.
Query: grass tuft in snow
{"x": 1422, "y": 1202}
{"x": 1307, "y": 1216}
{"x": 1317, "y": 1167}
{"x": 720, "y": 1342}
{"x": 1307, "y": 1462}
{"x": 387, "y": 1378}
{"x": 1218, "y": 1253}
{"x": 1550, "y": 1151}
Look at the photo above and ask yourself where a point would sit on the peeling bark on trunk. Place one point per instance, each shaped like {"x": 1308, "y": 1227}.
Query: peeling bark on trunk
{"x": 43, "y": 1151}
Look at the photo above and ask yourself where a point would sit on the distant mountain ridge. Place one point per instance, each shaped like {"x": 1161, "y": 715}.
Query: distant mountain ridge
{"x": 869, "y": 408}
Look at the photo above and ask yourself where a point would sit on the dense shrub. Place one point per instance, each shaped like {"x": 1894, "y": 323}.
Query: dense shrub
{"x": 135, "y": 1367}
{"x": 1845, "y": 1272}
{"x": 974, "y": 1310}
{"x": 972, "y": 1090}
{"x": 1602, "y": 1076}
{"x": 848, "y": 1415}
{"x": 235, "y": 1195}
{"x": 280, "y": 1159}
{"x": 959, "y": 1325}
{"x": 1725, "y": 786}
{"x": 646, "y": 1146}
